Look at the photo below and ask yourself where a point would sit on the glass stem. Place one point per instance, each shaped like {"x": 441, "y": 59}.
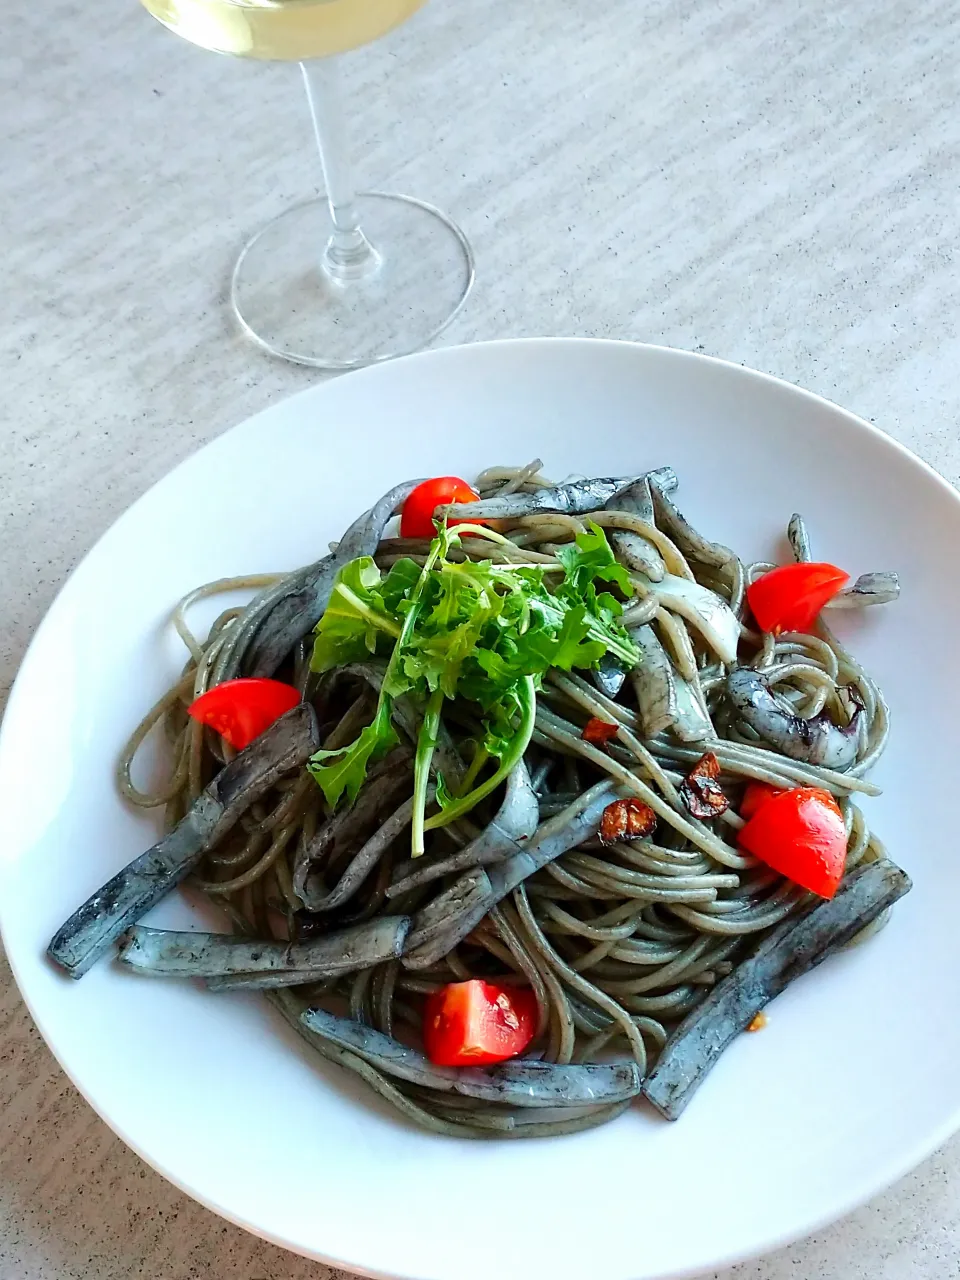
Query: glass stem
{"x": 348, "y": 254}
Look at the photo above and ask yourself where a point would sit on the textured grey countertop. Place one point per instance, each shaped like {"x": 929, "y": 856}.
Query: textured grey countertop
{"x": 776, "y": 183}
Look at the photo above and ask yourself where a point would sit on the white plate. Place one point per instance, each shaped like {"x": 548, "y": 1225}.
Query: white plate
{"x": 854, "y": 1080}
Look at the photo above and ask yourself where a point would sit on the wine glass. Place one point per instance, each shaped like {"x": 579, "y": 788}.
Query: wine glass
{"x": 347, "y": 279}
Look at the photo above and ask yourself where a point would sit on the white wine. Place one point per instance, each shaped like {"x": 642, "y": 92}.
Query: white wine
{"x": 310, "y": 286}
{"x": 285, "y": 29}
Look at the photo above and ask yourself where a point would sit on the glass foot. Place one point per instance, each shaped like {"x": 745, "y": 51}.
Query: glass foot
{"x": 289, "y": 303}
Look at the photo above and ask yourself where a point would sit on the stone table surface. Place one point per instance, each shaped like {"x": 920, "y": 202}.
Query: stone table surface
{"x": 773, "y": 183}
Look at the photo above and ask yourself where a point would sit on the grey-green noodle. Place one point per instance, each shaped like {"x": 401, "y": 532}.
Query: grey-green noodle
{"x": 617, "y": 942}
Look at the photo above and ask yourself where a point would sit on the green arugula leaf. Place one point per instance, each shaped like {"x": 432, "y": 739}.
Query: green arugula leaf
{"x": 444, "y": 795}
{"x": 398, "y": 583}
{"x": 573, "y": 649}
{"x": 500, "y": 724}
{"x": 349, "y": 769}
{"x": 356, "y": 618}
{"x": 590, "y": 556}
{"x": 606, "y": 607}
{"x": 454, "y": 595}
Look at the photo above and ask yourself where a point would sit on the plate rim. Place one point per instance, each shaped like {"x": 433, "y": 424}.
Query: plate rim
{"x": 896, "y": 1168}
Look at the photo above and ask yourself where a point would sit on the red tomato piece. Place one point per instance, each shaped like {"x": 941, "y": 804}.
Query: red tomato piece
{"x": 240, "y": 710}
{"x": 790, "y": 597}
{"x": 470, "y": 1024}
{"x": 801, "y": 834}
{"x": 756, "y": 794}
{"x": 599, "y": 732}
{"x": 416, "y": 518}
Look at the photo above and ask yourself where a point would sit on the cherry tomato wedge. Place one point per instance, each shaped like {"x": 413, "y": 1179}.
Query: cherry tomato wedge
{"x": 790, "y": 597}
{"x": 801, "y": 834}
{"x": 416, "y": 518}
{"x": 756, "y": 794}
{"x": 469, "y": 1024}
{"x": 240, "y": 710}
